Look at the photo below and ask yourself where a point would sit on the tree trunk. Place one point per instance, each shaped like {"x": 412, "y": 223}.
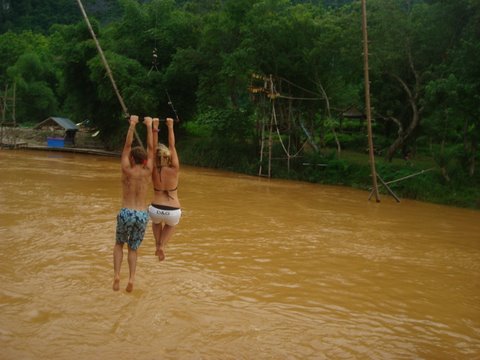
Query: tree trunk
{"x": 471, "y": 169}
{"x": 443, "y": 162}
{"x": 413, "y": 98}
{"x": 469, "y": 147}
{"x": 415, "y": 118}
{"x": 329, "y": 114}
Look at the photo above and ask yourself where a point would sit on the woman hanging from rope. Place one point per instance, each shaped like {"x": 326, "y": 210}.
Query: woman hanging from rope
{"x": 165, "y": 210}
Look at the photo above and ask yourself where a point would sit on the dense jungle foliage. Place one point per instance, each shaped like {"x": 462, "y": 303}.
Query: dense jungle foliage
{"x": 238, "y": 70}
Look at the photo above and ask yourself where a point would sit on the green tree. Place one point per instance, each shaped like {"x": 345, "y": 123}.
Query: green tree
{"x": 223, "y": 68}
{"x": 454, "y": 93}
{"x": 35, "y": 82}
{"x": 74, "y": 48}
{"x": 37, "y": 16}
{"x": 405, "y": 47}
{"x": 26, "y": 59}
{"x": 333, "y": 63}
{"x": 157, "y": 35}
{"x": 13, "y": 45}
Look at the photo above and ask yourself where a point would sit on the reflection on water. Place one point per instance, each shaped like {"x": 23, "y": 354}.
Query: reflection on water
{"x": 258, "y": 269}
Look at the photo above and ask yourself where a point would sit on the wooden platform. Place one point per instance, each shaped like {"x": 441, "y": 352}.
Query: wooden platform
{"x": 98, "y": 152}
{"x": 18, "y": 145}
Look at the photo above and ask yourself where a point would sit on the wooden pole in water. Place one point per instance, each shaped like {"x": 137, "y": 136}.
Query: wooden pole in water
{"x": 4, "y": 106}
{"x": 367, "y": 100}
{"x": 107, "y": 67}
{"x": 14, "y": 116}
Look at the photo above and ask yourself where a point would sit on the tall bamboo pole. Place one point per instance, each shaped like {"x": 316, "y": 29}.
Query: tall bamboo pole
{"x": 4, "y": 110}
{"x": 107, "y": 67}
{"x": 367, "y": 100}
{"x": 14, "y": 115}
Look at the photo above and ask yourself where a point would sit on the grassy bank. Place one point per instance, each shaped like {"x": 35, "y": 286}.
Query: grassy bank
{"x": 419, "y": 178}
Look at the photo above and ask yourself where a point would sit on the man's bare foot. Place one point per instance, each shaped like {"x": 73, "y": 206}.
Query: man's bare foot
{"x": 116, "y": 284}
{"x": 160, "y": 254}
{"x": 129, "y": 287}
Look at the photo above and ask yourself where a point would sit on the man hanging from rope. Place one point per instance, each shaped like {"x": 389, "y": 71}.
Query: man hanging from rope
{"x": 132, "y": 219}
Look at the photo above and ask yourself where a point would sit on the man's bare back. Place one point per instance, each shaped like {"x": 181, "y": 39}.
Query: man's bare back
{"x": 135, "y": 185}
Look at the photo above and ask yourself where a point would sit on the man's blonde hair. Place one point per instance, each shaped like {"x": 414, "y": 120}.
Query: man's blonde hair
{"x": 164, "y": 157}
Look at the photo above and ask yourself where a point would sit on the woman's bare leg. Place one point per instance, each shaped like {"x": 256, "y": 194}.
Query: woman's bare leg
{"x": 157, "y": 233}
{"x": 165, "y": 236}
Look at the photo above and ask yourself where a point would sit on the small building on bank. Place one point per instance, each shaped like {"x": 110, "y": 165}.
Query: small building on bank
{"x": 62, "y": 131}
{"x": 353, "y": 113}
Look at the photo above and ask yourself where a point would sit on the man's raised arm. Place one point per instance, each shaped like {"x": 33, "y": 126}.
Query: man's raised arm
{"x": 147, "y": 120}
{"x": 128, "y": 141}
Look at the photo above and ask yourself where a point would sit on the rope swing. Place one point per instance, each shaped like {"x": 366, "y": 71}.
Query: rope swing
{"x": 154, "y": 51}
{"x": 107, "y": 68}
{"x": 287, "y": 152}
{"x": 155, "y": 67}
{"x": 154, "y": 60}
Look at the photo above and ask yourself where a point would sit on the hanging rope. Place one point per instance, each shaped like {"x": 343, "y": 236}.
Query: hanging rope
{"x": 155, "y": 66}
{"x": 154, "y": 51}
{"x": 300, "y": 87}
{"x": 107, "y": 68}
{"x": 296, "y": 98}
{"x": 171, "y": 105}
{"x": 274, "y": 115}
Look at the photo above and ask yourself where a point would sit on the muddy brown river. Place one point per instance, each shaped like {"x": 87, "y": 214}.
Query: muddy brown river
{"x": 258, "y": 269}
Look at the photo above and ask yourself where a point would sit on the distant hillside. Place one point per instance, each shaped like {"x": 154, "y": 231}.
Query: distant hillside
{"x": 39, "y": 16}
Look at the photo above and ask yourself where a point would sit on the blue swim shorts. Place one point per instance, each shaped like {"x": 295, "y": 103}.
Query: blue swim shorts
{"x": 131, "y": 225}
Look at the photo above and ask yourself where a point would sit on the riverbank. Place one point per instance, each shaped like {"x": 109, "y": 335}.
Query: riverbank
{"x": 77, "y": 150}
{"x": 422, "y": 179}
{"x": 85, "y": 142}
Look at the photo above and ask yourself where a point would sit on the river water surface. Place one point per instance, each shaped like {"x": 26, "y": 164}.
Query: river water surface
{"x": 257, "y": 269}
